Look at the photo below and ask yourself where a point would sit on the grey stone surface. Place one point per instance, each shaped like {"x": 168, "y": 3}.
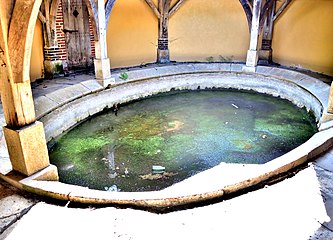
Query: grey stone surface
{"x": 92, "y": 85}
{"x": 44, "y": 105}
{"x": 13, "y": 208}
{"x": 68, "y": 94}
{"x": 292, "y": 209}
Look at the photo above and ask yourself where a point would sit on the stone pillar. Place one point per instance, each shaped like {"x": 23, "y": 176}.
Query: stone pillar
{"x": 253, "y": 53}
{"x": 102, "y": 62}
{"x": 52, "y": 65}
{"x": 27, "y": 148}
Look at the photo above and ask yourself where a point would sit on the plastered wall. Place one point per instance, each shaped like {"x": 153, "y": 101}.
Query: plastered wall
{"x": 214, "y": 30}
{"x": 37, "y": 57}
{"x": 303, "y": 36}
{"x": 132, "y": 34}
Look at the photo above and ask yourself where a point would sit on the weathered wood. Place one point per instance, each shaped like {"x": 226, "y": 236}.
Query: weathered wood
{"x": 153, "y": 7}
{"x": 108, "y": 8}
{"x": 53, "y": 13}
{"x": 16, "y": 98}
{"x": 93, "y": 13}
{"x": 266, "y": 51}
{"x": 76, "y": 28}
{"x": 176, "y": 7}
{"x": 41, "y": 17}
{"x": 164, "y": 7}
{"x": 24, "y": 137}
{"x": 248, "y": 11}
{"x": 264, "y": 13}
{"x": 330, "y": 101}
{"x": 47, "y": 22}
{"x": 253, "y": 53}
{"x": 20, "y": 37}
{"x": 281, "y": 9}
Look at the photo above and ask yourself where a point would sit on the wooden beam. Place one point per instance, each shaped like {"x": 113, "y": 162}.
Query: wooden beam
{"x": 47, "y": 24}
{"x": 41, "y": 17}
{"x": 176, "y": 7}
{"x": 153, "y": 8}
{"x": 264, "y": 12}
{"x": 16, "y": 98}
{"x": 93, "y": 12}
{"x": 108, "y": 8}
{"x": 253, "y": 52}
{"x": 248, "y": 11}
{"x": 281, "y": 9}
{"x": 164, "y": 7}
{"x": 53, "y": 13}
{"x": 20, "y": 37}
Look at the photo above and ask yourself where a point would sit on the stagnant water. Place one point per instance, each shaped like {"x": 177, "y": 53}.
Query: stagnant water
{"x": 185, "y": 132}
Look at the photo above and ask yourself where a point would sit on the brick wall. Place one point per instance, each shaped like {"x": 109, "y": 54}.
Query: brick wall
{"x": 62, "y": 52}
{"x": 92, "y": 39}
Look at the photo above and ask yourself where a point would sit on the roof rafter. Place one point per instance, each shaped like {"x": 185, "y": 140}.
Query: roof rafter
{"x": 281, "y": 9}
{"x": 153, "y": 7}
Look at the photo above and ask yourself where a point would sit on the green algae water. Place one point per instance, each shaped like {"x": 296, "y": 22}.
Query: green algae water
{"x": 183, "y": 132}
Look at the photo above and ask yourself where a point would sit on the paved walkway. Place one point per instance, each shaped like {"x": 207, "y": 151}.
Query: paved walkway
{"x": 300, "y": 207}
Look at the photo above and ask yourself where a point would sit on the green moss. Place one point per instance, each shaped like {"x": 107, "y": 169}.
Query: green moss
{"x": 79, "y": 145}
{"x": 146, "y": 147}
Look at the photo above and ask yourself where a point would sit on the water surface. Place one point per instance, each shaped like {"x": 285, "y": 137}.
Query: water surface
{"x": 185, "y": 132}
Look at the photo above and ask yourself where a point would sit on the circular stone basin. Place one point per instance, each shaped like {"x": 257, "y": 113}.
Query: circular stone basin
{"x": 185, "y": 132}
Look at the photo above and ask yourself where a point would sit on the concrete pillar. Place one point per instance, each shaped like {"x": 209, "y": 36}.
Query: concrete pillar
{"x": 253, "y": 52}
{"x": 102, "y": 62}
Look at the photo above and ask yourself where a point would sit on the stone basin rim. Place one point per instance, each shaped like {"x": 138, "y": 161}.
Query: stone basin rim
{"x": 317, "y": 144}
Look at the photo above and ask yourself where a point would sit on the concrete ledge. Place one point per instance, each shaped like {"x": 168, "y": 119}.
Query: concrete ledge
{"x": 70, "y": 114}
{"x": 186, "y": 192}
{"x": 66, "y": 107}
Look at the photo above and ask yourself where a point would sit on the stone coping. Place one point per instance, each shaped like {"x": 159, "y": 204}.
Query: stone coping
{"x": 64, "y": 108}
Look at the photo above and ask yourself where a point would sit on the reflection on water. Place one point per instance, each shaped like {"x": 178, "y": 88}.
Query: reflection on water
{"x": 184, "y": 133}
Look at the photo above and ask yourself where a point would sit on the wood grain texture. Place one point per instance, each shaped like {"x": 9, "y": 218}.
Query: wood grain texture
{"x": 20, "y": 37}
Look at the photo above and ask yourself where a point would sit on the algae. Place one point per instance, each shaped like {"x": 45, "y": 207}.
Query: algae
{"x": 185, "y": 132}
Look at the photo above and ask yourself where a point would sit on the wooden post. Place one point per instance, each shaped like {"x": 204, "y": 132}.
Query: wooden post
{"x": 163, "y": 13}
{"x": 24, "y": 136}
{"x": 101, "y": 62}
{"x": 265, "y": 54}
{"x": 330, "y": 101}
{"x": 47, "y": 16}
{"x": 253, "y": 53}
{"x": 163, "y": 53}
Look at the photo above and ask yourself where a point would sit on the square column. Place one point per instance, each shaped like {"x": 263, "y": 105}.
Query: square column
{"x": 163, "y": 53}
{"x": 253, "y": 52}
{"x": 27, "y": 149}
{"x": 102, "y": 62}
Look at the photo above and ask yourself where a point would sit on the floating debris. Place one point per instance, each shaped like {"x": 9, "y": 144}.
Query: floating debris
{"x": 158, "y": 169}
{"x": 164, "y": 175}
{"x": 113, "y": 188}
{"x": 235, "y": 106}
